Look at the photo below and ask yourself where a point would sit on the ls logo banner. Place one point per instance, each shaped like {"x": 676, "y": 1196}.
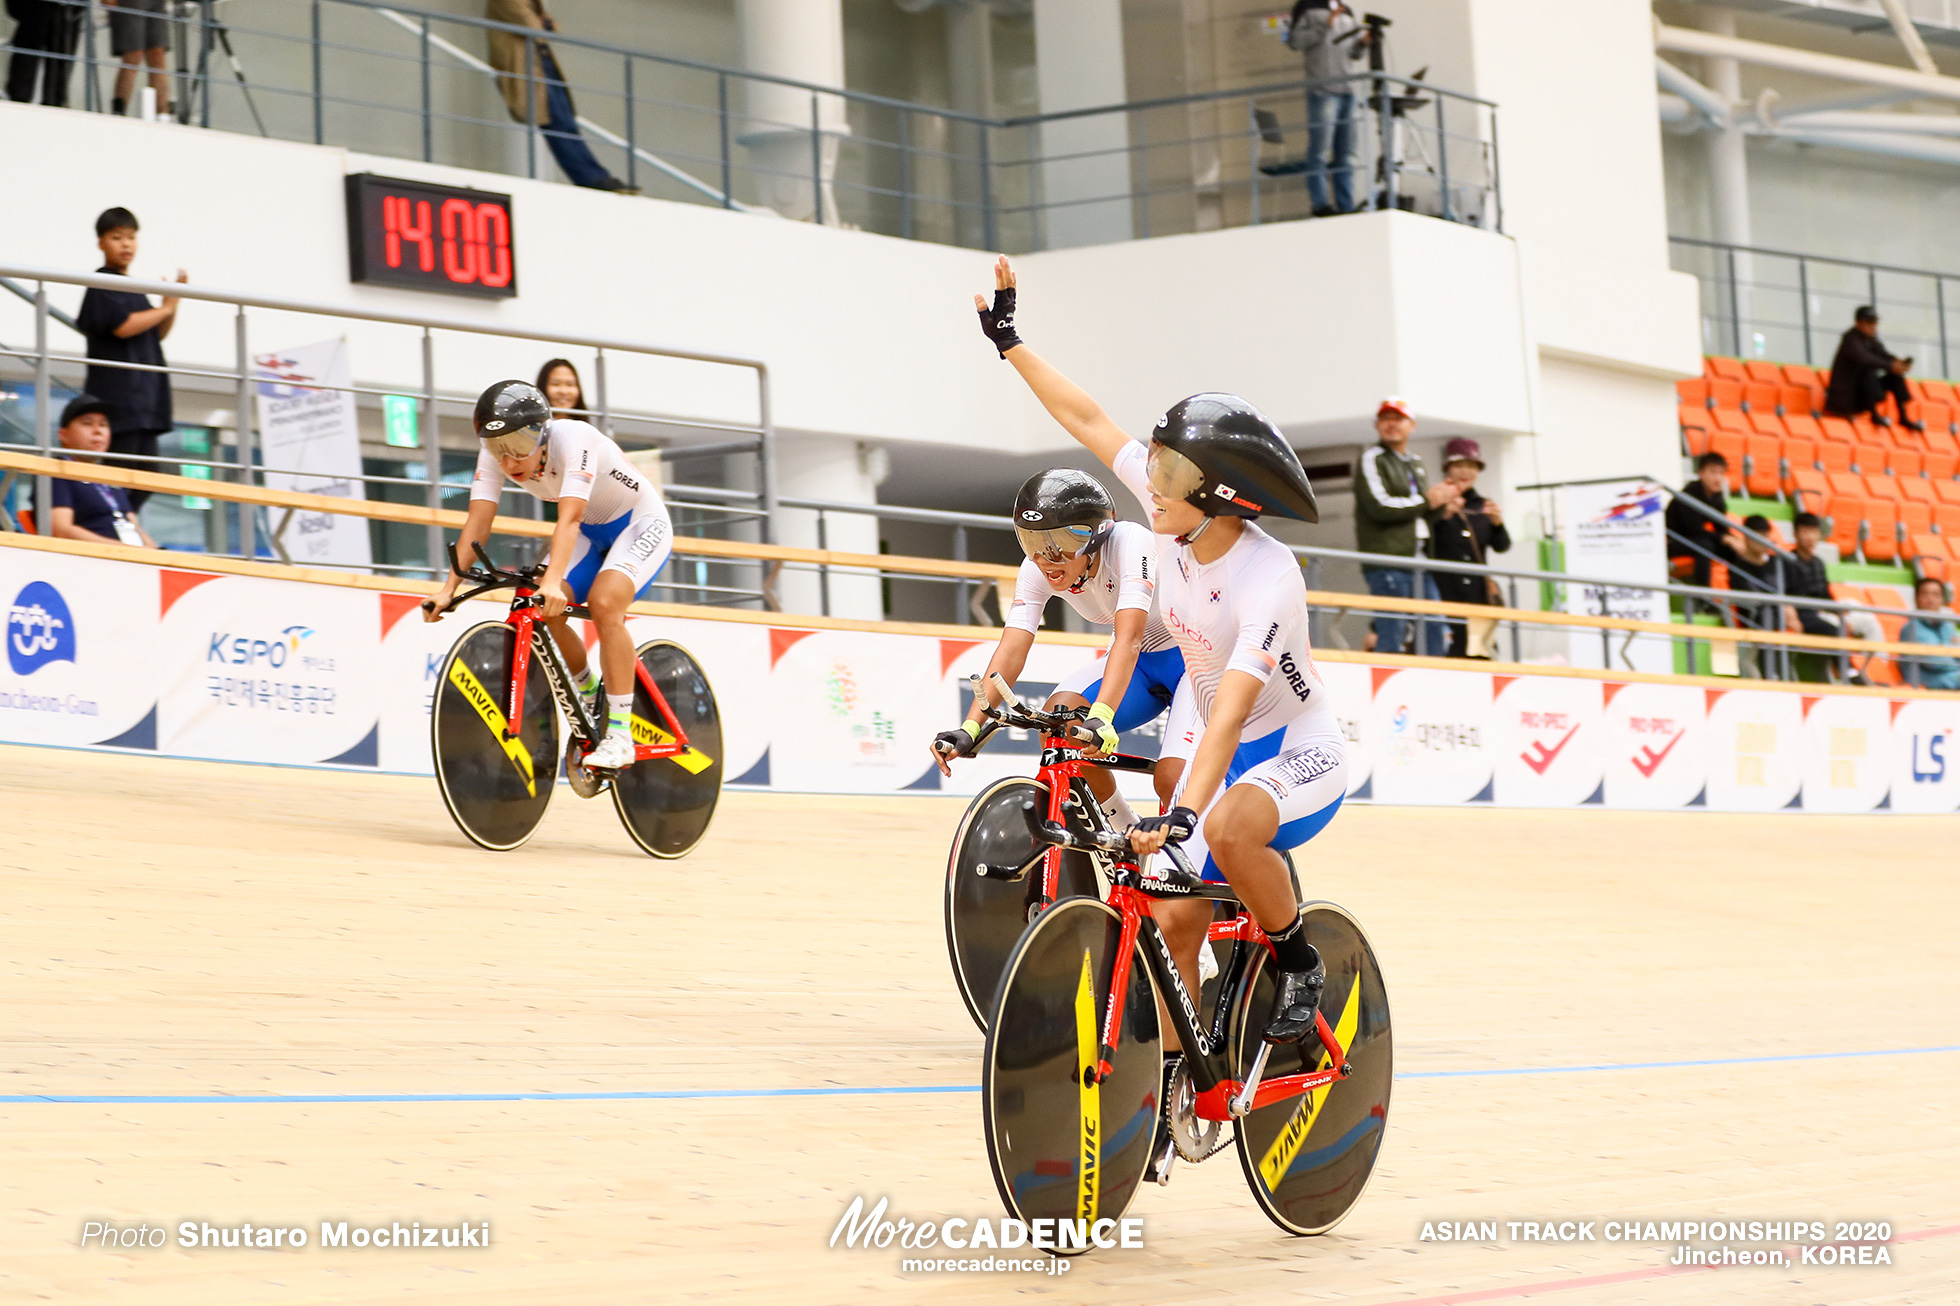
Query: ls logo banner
{"x": 39, "y": 629}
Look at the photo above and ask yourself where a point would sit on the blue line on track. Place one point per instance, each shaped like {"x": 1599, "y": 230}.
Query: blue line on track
{"x": 318, "y": 1099}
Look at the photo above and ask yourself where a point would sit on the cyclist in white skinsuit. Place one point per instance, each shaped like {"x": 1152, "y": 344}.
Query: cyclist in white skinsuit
{"x": 1103, "y": 569}
{"x": 1270, "y": 768}
{"x": 612, "y": 538}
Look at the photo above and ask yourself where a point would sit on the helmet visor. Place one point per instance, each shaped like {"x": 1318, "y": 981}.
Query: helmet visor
{"x": 1057, "y": 545}
{"x": 516, "y": 443}
{"x": 1172, "y": 475}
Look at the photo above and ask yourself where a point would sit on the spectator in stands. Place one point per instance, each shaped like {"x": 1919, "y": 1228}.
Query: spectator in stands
{"x": 1865, "y": 371}
{"x": 122, "y": 327}
{"x": 44, "y": 38}
{"x": 85, "y": 510}
{"x": 1328, "y": 35}
{"x": 1702, "y": 539}
{"x": 1467, "y": 530}
{"x": 558, "y": 380}
{"x": 1804, "y": 578}
{"x": 553, "y": 111}
{"x": 1932, "y": 622}
{"x": 139, "y": 32}
{"x": 1392, "y": 499}
{"x": 1755, "y": 571}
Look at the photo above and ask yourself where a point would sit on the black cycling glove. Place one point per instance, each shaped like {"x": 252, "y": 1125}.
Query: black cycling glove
{"x": 997, "y": 323}
{"x": 960, "y": 742}
{"x": 1180, "y": 823}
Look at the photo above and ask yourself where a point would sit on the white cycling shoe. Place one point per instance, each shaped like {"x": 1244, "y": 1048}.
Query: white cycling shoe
{"x": 614, "y": 752}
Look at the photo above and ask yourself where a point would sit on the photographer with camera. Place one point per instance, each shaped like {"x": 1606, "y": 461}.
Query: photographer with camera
{"x": 1329, "y": 36}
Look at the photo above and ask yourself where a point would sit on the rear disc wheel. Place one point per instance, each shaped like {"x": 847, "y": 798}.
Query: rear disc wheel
{"x": 496, "y": 790}
{"x": 1308, "y": 1158}
{"x": 985, "y": 916}
{"x": 666, "y": 803}
{"x": 1063, "y": 1147}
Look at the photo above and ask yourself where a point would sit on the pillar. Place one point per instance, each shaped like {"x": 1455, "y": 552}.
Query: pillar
{"x": 838, "y": 469}
{"x": 804, "y": 40}
{"x": 1728, "y": 180}
{"x": 1079, "y": 65}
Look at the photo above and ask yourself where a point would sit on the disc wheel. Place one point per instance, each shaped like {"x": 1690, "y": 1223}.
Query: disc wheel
{"x": 496, "y": 790}
{"x": 985, "y": 916}
{"x": 1308, "y": 1158}
{"x": 666, "y": 803}
{"x": 1063, "y": 1148}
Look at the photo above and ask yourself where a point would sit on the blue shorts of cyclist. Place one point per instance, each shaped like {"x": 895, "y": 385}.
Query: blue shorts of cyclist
{"x": 637, "y": 547}
{"x": 1302, "y": 768}
{"x": 1153, "y": 686}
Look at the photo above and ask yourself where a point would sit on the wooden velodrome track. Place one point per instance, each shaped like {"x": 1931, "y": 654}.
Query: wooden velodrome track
{"x": 189, "y": 930}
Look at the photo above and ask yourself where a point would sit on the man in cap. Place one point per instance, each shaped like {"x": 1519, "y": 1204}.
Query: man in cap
{"x": 86, "y": 510}
{"x": 1864, "y": 371}
{"x": 1392, "y": 501}
{"x": 1469, "y": 530}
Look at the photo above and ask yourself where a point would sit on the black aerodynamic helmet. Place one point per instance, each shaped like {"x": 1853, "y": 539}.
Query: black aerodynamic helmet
{"x": 1062, "y": 513}
{"x": 1221, "y": 455}
{"x": 510, "y": 418}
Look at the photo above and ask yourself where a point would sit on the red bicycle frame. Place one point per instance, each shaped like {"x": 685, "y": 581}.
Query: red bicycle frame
{"x": 524, "y": 620}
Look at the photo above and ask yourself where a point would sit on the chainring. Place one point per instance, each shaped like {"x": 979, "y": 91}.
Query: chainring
{"x": 1195, "y": 1139}
{"x": 585, "y": 783}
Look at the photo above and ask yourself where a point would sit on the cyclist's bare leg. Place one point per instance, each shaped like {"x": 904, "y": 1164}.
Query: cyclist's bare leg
{"x": 612, "y": 594}
{"x": 1169, "y": 771}
{"x": 1239, "y": 830}
{"x": 570, "y": 645}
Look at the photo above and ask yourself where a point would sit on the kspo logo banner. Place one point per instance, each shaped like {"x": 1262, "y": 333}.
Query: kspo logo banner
{"x": 264, "y": 651}
{"x": 40, "y": 629}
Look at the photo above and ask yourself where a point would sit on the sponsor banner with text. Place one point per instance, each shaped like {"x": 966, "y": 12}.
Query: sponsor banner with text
{"x": 188, "y": 663}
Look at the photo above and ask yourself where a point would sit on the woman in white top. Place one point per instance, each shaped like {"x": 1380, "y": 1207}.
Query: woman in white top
{"x": 1270, "y": 767}
{"x": 612, "y": 538}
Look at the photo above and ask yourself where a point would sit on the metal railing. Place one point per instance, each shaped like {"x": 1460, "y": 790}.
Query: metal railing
{"x": 414, "y": 83}
{"x": 239, "y": 381}
{"x": 1786, "y": 306}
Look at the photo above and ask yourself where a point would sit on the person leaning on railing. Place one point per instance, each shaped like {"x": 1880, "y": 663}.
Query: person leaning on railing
{"x": 1467, "y": 530}
{"x": 122, "y": 327}
{"x": 1328, "y": 35}
{"x": 1703, "y": 540}
{"x": 553, "y": 112}
{"x": 1754, "y": 571}
{"x": 1932, "y": 622}
{"x": 44, "y": 41}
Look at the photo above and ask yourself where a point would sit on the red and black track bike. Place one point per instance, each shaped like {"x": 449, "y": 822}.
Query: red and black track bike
{"x": 993, "y": 890}
{"x": 1073, "y": 1067}
{"x": 493, "y": 727}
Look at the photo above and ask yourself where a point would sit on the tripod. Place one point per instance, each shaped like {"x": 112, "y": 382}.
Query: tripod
{"x": 211, "y": 28}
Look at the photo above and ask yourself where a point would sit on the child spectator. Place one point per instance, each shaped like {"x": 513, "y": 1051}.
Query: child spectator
{"x": 85, "y": 510}
{"x": 1931, "y": 623}
{"x": 123, "y": 328}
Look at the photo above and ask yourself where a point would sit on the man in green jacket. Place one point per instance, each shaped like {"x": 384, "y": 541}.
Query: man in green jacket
{"x": 1392, "y": 498}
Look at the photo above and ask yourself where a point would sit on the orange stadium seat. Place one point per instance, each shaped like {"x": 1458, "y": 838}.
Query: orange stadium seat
{"x": 1946, "y": 520}
{"x": 1940, "y": 392}
{"x": 1794, "y": 400}
{"x": 1834, "y": 457}
{"x": 1765, "y": 422}
{"x": 1808, "y": 489}
{"x": 1803, "y": 375}
{"x": 1724, "y": 393}
{"x": 1915, "y": 519}
{"x": 1867, "y": 458}
{"x": 1730, "y": 445}
{"x": 1917, "y": 489}
{"x": 1846, "y": 483}
{"x": 1729, "y": 369}
{"x": 1759, "y": 397}
{"x": 1730, "y": 419}
{"x": 1883, "y": 487}
{"x": 1762, "y": 467}
{"x": 1941, "y": 465}
{"x": 1937, "y": 417}
{"x": 1693, "y": 391}
{"x": 1694, "y": 431}
{"x": 1838, "y": 428}
{"x": 1948, "y": 490}
{"x": 1900, "y": 461}
{"x": 1757, "y": 369}
{"x": 1882, "y": 530}
{"x": 1847, "y": 514}
{"x": 1802, "y": 426}
{"x": 1799, "y": 451}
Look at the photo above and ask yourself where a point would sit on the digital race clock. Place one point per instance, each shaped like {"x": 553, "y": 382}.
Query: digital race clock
{"x": 421, "y": 236}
